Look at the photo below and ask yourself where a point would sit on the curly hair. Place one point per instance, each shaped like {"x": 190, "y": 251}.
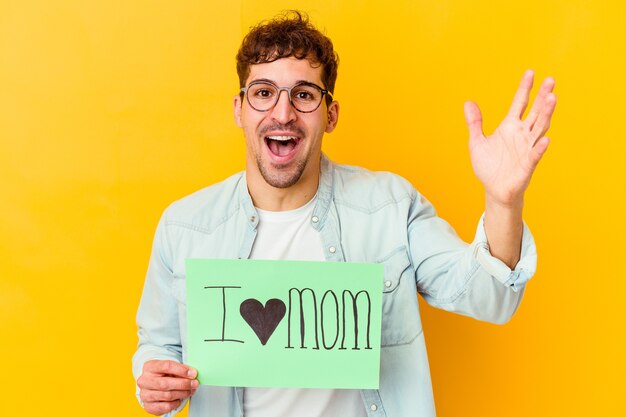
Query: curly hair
{"x": 288, "y": 34}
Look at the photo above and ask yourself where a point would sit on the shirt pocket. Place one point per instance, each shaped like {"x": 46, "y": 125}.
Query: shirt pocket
{"x": 400, "y": 316}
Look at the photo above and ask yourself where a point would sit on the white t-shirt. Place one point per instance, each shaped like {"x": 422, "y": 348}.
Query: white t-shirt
{"x": 288, "y": 235}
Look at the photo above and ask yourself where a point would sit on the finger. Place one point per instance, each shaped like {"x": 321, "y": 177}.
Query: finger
{"x": 520, "y": 100}
{"x": 543, "y": 120}
{"x": 165, "y": 383}
{"x": 538, "y": 150}
{"x": 169, "y": 368}
{"x": 148, "y": 395}
{"x": 474, "y": 119}
{"x": 160, "y": 408}
{"x": 546, "y": 87}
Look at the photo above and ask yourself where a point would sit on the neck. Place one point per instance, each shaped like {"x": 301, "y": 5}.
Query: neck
{"x": 269, "y": 198}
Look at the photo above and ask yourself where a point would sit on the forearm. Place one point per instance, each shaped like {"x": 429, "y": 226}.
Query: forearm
{"x": 504, "y": 226}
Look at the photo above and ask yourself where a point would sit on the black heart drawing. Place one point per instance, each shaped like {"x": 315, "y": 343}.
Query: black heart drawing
{"x": 263, "y": 320}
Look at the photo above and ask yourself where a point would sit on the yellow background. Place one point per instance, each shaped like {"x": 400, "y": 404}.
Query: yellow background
{"x": 110, "y": 110}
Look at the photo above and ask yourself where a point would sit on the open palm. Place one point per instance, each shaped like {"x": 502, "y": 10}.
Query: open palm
{"x": 505, "y": 161}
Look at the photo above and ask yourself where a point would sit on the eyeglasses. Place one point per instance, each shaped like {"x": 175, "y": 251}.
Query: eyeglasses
{"x": 304, "y": 97}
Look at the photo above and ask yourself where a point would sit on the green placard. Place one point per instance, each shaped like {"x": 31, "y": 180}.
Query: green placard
{"x": 255, "y": 323}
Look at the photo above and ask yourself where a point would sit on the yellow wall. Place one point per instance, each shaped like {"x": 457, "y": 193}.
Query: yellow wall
{"x": 109, "y": 110}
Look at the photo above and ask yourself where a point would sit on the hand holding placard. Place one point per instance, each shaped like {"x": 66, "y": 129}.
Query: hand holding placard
{"x": 164, "y": 384}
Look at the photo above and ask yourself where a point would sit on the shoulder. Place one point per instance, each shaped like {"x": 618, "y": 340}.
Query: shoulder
{"x": 361, "y": 188}
{"x": 207, "y": 208}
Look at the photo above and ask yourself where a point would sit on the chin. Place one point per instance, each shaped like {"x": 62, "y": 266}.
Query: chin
{"x": 283, "y": 177}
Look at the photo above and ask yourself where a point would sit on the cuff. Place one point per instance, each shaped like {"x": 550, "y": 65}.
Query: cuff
{"x": 523, "y": 271}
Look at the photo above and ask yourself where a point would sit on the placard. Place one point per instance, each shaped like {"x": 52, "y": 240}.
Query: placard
{"x": 257, "y": 323}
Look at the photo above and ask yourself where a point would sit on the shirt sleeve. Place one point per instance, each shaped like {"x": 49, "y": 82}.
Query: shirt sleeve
{"x": 517, "y": 278}
{"x": 157, "y": 316}
{"x": 465, "y": 278}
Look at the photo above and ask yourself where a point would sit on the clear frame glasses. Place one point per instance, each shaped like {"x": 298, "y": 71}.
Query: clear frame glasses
{"x": 304, "y": 97}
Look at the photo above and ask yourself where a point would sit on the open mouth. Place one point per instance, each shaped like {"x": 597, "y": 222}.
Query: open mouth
{"x": 282, "y": 145}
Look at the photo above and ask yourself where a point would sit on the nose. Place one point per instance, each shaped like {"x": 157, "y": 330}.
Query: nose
{"x": 283, "y": 112}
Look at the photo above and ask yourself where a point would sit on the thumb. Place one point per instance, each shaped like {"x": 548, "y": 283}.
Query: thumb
{"x": 474, "y": 119}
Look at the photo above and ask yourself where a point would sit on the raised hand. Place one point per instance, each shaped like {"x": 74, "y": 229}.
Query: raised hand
{"x": 165, "y": 384}
{"x": 505, "y": 161}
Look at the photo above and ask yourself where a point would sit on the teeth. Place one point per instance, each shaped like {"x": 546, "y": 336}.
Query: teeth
{"x": 282, "y": 138}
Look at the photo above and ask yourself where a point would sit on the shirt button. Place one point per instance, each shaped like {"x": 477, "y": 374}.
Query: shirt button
{"x": 315, "y": 219}
{"x": 332, "y": 249}
{"x": 388, "y": 284}
{"x": 252, "y": 219}
{"x": 373, "y": 407}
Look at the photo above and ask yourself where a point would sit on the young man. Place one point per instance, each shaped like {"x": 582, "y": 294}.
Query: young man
{"x": 293, "y": 203}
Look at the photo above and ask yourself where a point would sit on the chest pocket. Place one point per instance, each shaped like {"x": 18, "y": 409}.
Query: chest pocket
{"x": 401, "y": 319}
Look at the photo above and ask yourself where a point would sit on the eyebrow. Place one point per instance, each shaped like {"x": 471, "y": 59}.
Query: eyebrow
{"x": 275, "y": 83}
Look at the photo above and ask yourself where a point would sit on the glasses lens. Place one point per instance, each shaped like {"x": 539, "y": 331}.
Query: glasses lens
{"x": 306, "y": 98}
{"x": 262, "y": 96}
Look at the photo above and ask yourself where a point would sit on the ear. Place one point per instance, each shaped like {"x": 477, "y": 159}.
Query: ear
{"x": 237, "y": 109}
{"x": 333, "y": 116}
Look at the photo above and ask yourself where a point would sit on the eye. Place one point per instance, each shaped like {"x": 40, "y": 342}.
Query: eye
{"x": 263, "y": 93}
{"x": 305, "y": 93}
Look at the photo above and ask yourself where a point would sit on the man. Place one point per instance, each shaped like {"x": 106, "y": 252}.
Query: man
{"x": 294, "y": 203}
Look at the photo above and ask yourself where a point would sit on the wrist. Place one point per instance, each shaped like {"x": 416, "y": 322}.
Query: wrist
{"x": 512, "y": 204}
{"x": 508, "y": 215}
{"x": 504, "y": 228}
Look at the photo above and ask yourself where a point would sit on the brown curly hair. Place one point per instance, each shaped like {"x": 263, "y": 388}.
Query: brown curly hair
{"x": 288, "y": 34}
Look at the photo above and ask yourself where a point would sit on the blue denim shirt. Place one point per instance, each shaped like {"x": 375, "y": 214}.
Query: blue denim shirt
{"x": 362, "y": 216}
